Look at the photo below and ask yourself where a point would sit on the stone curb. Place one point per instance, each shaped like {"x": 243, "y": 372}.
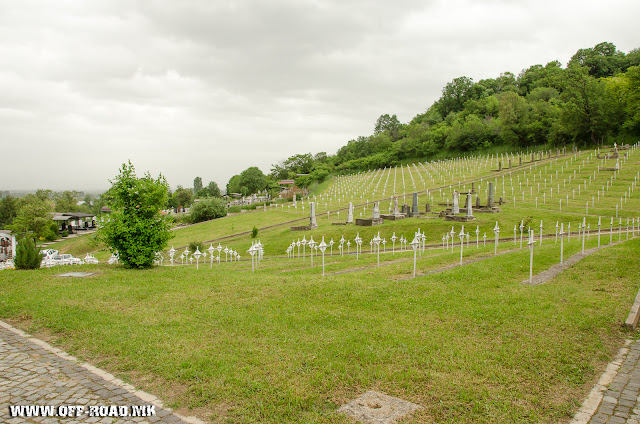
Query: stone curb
{"x": 634, "y": 314}
{"x": 147, "y": 397}
{"x": 591, "y": 403}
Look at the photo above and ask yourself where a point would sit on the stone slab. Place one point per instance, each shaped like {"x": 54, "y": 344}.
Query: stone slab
{"x": 76, "y": 274}
{"x": 393, "y": 217}
{"x": 369, "y": 222}
{"x": 378, "y": 408}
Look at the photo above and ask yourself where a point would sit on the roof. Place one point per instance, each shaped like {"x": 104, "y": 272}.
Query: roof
{"x": 286, "y": 182}
{"x": 61, "y": 218}
{"x": 78, "y": 214}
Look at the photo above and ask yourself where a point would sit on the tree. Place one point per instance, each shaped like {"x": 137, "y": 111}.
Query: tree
{"x": 65, "y": 201}
{"x": 183, "y": 197}
{"x": 233, "y": 186}
{"x": 456, "y": 93}
{"x": 603, "y": 60}
{"x": 197, "y": 184}
{"x": 213, "y": 189}
{"x": 252, "y": 180}
{"x": 28, "y": 255}
{"x": 135, "y": 228}
{"x": 389, "y": 125}
{"x": 34, "y": 216}
{"x": 8, "y": 210}
{"x": 207, "y": 209}
{"x": 586, "y": 111}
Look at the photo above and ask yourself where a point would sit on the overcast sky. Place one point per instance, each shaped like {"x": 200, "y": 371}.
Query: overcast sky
{"x": 208, "y": 88}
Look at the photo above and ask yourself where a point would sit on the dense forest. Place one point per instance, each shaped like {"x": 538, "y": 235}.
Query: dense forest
{"x": 594, "y": 99}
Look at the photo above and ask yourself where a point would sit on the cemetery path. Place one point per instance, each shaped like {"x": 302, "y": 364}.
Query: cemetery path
{"x": 615, "y": 399}
{"x": 556, "y": 269}
{"x": 33, "y": 373}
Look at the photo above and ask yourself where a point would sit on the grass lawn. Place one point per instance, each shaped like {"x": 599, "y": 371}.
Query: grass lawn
{"x": 470, "y": 344}
{"x": 283, "y": 344}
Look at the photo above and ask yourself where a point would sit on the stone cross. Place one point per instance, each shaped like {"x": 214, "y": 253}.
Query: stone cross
{"x": 469, "y": 206}
{"x": 414, "y": 207}
{"x": 456, "y": 207}
{"x": 312, "y": 218}
{"x": 350, "y": 213}
{"x": 376, "y": 210}
{"x": 490, "y": 198}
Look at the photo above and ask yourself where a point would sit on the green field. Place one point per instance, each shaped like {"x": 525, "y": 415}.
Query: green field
{"x": 470, "y": 343}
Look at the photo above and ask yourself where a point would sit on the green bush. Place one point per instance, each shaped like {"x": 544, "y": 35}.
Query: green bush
{"x": 196, "y": 245}
{"x": 27, "y": 255}
{"x": 234, "y": 209}
{"x": 64, "y": 233}
{"x": 254, "y": 232}
{"x": 249, "y": 207}
{"x": 135, "y": 228}
{"x": 207, "y": 209}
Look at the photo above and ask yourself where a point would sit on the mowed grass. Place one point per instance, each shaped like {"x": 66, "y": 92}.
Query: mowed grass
{"x": 471, "y": 344}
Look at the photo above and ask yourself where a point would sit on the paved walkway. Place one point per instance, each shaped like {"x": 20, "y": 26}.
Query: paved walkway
{"x": 615, "y": 399}
{"x": 621, "y": 400}
{"x": 32, "y": 373}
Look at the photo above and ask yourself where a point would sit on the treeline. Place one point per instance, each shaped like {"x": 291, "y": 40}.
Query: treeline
{"x": 32, "y": 213}
{"x": 594, "y": 99}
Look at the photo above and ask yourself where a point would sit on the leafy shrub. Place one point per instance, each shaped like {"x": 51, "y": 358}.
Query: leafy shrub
{"x": 249, "y": 207}
{"x": 27, "y": 255}
{"x": 196, "y": 245}
{"x": 207, "y": 209}
{"x": 64, "y": 233}
{"x": 135, "y": 228}
{"x": 234, "y": 209}
{"x": 254, "y": 232}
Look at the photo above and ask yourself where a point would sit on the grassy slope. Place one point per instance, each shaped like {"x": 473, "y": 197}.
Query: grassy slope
{"x": 284, "y": 345}
{"x": 471, "y": 344}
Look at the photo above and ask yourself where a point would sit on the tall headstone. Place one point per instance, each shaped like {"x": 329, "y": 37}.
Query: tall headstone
{"x": 414, "y": 207}
{"x": 350, "y": 213}
{"x": 295, "y": 196}
{"x": 477, "y": 201}
{"x": 427, "y": 207}
{"x": 396, "y": 209}
{"x": 490, "y": 199}
{"x": 520, "y": 160}
{"x": 376, "y": 210}
{"x": 468, "y": 205}
{"x": 456, "y": 206}
{"x": 499, "y": 165}
{"x": 312, "y": 220}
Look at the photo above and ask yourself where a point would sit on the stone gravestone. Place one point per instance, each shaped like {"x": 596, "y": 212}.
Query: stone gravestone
{"x": 490, "y": 198}
{"x": 427, "y": 208}
{"x": 469, "y": 207}
{"x": 376, "y": 210}
{"x": 477, "y": 202}
{"x": 312, "y": 218}
{"x": 396, "y": 210}
{"x": 350, "y": 214}
{"x": 456, "y": 206}
{"x": 414, "y": 208}
{"x": 295, "y": 199}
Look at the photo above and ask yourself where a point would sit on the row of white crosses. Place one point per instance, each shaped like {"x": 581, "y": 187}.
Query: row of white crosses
{"x": 184, "y": 256}
{"x": 257, "y": 252}
{"x": 373, "y": 184}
